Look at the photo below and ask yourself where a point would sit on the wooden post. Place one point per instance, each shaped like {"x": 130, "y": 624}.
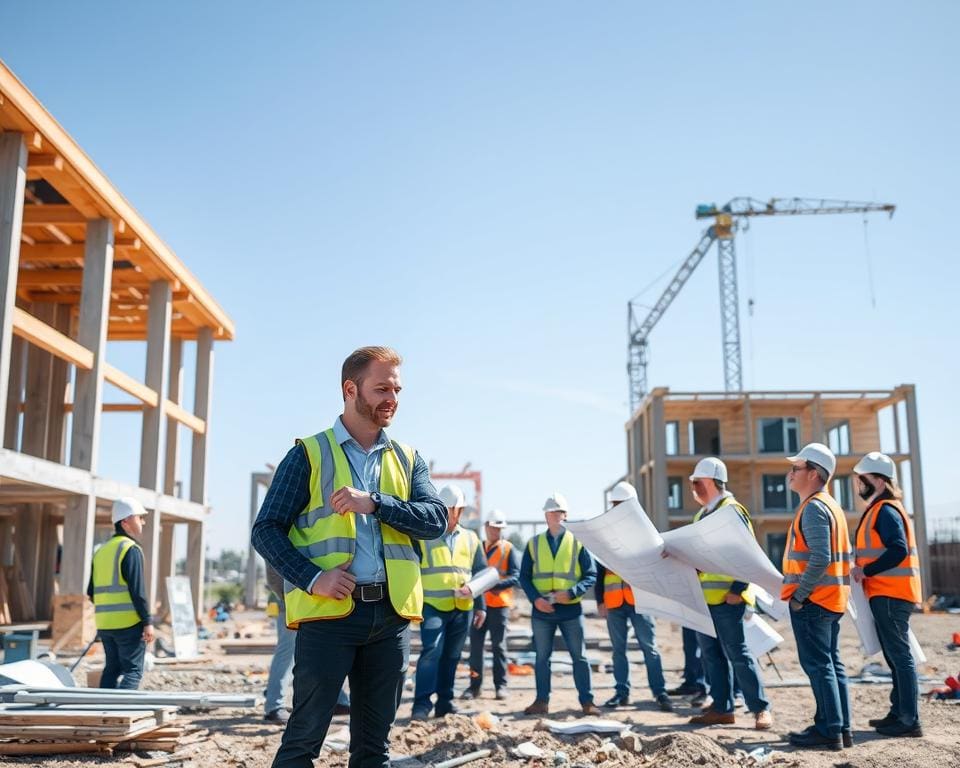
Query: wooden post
{"x": 916, "y": 486}
{"x": 196, "y": 565}
{"x": 202, "y": 401}
{"x": 174, "y": 393}
{"x": 168, "y": 564}
{"x": 59, "y": 381}
{"x": 158, "y": 347}
{"x": 13, "y": 179}
{"x": 659, "y": 511}
{"x": 18, "y": 370}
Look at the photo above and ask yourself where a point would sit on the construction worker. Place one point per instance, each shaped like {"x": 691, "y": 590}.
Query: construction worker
{"x": 337, "y": 523}
{"x": 502, "y": 555}
{"x": 888, "y": 567}
{"x": 446, "y": 564}
{"x": 118, "y": 590}
{"x": 555, "y": 573}
{"x": 615, "y": 604}
{"x": 726, "y": 656}
{"x": 816, "y": 581}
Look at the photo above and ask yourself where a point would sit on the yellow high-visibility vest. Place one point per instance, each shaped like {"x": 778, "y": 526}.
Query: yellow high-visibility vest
{"x": 554, "y": 574}
{"x": 444, "y": 572}
{"x": 715, "y": 586}
{"x": 113, "y": 605}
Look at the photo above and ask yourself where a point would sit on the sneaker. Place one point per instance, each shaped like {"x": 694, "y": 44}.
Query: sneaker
{"x": 538, "y": 708}
{"x": 502, "y": 693}
{"x": 618, "y": 700}
{"x": 887, "y": 719}
{"x": 663, "y": 701}
{"x": 712, "y": 717}
{"x": 701, "y": 700}
{"x": 763, "y": 721}
{"x": 278, "y": 716}
{"x": 739, "y": 702}
{"x": 590, "y": 709}
{"x": 685, "y": 689}
{"x": 470, "y": 693}
{"x": 813, "y": 739}
{"x": 901, "y": 730}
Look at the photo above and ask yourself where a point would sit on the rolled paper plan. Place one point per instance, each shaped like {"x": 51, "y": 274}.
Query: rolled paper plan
{"x": 486, "y": 579}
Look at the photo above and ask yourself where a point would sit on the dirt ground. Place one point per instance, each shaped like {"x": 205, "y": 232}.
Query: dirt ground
{"x": 241, "y": 739}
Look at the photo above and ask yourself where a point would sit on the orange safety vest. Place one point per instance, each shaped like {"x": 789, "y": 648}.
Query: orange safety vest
{"x": 616, "y": 591}
{"x": 499, "y": 558}
{"x": 833, "y": 589}
{"x": 903, "y": 580}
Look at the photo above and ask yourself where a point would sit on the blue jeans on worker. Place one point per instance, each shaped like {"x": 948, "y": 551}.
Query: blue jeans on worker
{"x": 124, "y": 650}
{"x": 371, "y": 648}
{"x": 892, "y": 617}
{"x": 496, "y": 623}
{"x": 442, "y": 635}
{"x": 729, "y": 662}
{"x": 544, "y": 630}
{"x": 817, "y": 633}
{"x": 693, "y": 671}
{"x": 645, "y": 630}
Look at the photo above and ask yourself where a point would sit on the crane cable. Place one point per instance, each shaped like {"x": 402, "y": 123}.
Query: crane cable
{"x": 866, "y": 248}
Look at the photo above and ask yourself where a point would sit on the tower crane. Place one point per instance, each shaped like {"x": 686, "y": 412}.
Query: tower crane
{"x": 726, "y": 221}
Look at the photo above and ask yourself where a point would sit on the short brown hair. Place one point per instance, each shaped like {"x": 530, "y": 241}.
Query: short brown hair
{"x": 356, "y": 364}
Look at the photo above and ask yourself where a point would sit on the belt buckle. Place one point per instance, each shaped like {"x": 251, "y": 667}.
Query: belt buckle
{"x": 370, "y": 593}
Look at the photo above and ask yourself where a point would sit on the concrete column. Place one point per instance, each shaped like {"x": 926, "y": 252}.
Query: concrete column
{"x": 174, "y": 393}
{"x": 13, "y": 179}
{"x": 916, "y": 485}
{"x": 168, "y": 564}
{"x": 658, "y": 449}
{"x": 202, "y": 401}
{"x": 196, "y": 565}
{"x": 16, "y": 382}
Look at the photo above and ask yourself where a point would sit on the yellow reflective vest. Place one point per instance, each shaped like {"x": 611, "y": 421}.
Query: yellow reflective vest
{"x": 555, "y": 574}
{"x": 716, "y": 586}
{"x": 113, "y": 605}
{"x": 329, "y": 540}
{"x": 444, "y": 571}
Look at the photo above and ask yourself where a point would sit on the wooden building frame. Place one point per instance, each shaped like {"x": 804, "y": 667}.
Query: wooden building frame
{"x": 78, "y": 267}
{"x": 662, "y": 451}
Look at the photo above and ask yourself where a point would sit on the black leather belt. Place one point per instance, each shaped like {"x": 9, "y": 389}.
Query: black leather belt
{"x": 369, "y": 593}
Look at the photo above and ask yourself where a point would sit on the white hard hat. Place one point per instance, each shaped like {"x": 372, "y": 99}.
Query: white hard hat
{"x": 126, "y": 506}
{"x": 451, "y": 496}
{"x": 876, "y": 463}
{"x": 710, "y": 468}
{"x": 818, "y": 454}
{"x": 623, "y": 491}
{"x": 496, "y": 519}
{"x": 556, "y": 502}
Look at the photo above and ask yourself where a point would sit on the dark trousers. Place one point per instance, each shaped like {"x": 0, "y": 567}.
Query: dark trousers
{"x": 693, "y": 672}
{"x": 892, "y": 617}
{"x": 728, "y": 661}
{"x": 496, "y": 623}
{"x": 817, "y": 632}
{"x": 124, "y": 650}
{"x": 442, "y": 635}
{"x": 371, "y": 646}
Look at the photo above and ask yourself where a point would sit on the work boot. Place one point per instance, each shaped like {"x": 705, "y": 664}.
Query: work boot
{"x": 712, "y": 717}
{"x": 763, "y": 721}
{"x": 846, "y": 736}
{"x": 502, "y": 693}
{"x": 887, "y": 719}
{"x": 538, "y": 708}
{"x": 470, "y": 693}
{"x": 701, "y": 700}
{"x": 901, "y": 729}
{"x": 419, "y": 714}
{"x": 617, "y": 700}
{"x": 278, "y": 716}
{"x": 685, "y": 689}
{"x": 590, "y": 709}
{"x": 447, "y": 708}
{"x": 663, "y": 701}
{"x": 813, "y": 739}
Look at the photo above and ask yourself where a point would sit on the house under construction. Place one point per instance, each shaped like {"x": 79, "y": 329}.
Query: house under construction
{"x": 79, "y": 267}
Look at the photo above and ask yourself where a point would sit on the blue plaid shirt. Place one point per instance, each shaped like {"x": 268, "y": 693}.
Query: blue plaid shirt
{"x": 422, "y": 517}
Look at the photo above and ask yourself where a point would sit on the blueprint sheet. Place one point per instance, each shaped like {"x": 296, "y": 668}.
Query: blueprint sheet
{"x": 859, "y": 609}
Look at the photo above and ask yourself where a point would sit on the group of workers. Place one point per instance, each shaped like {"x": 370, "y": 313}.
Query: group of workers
{"x": 364, "y": 546}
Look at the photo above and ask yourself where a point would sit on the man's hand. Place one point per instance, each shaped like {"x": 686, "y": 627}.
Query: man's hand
{"x": 542, "y": 605}
{"x": 602, "y": 611}
{"x": 478, "y": 618}
{"x": 732, "y": 599}
{"x": 349, "y": 499}
{"x": 857, "y": 573}
{"x": 562, "y": 596}
{"x": 148, "y": 633}
{"x": 795, "y": 605}
{"x": 335, "y": 583}
{"x": 464, "y": 591}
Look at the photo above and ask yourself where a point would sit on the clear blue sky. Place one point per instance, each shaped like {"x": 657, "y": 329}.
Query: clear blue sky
{"x": 485, "y": 185}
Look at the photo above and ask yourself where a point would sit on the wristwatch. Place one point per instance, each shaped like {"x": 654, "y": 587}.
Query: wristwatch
{"x": 376, "y": 498}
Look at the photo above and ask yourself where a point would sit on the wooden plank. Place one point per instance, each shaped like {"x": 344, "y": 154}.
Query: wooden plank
{"x": 35, "y": 331}
{"x": 105, "y": 718}
{"x": 43, "y": 215}
{"x": 130, "y": 385}
{"x": 183, "y": 416}
{"x": 55, "y": 748}
{"x": 75, "y": 731}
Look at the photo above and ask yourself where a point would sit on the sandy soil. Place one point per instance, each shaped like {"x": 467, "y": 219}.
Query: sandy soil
{"x": 242, "y": 739}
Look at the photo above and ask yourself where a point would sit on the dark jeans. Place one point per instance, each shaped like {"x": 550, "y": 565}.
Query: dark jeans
{"x": 544, "y": 630}
{"x": 124, "y": 650}
{"x": 817, "y": 631}
{"x": 893, "y": 625}
{"x": 442, "y": 635}
{"x": 371, "y": 646}
{"x": 728, "y": 661}
{"x": 645, "y": 630}
{"x": 496, "y": 623}
{"x": 693, "y": 672}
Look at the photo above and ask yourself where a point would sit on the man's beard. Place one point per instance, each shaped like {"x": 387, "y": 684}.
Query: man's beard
{"x": 865, "y": 490}
{"x": 371, "y": 413}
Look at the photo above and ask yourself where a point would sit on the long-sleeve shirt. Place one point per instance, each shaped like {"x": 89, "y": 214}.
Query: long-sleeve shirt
{"x": 815, "y": 524}
{"x": 588, "y": 577}
{"x": 889, "y": 527}
{"x": 479, "y": 561}
{"x": 131, "y": 568}
{"x": 422, "y": 517}
{"x": 512, "y": 577}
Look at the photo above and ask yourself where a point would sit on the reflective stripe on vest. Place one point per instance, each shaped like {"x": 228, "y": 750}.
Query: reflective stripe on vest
{"x": 499, "y": 558}
{"x": 616, "y": 591}
{"x": 444, "y": 572}
{"x": 330, "y": 540}
{"x": 716, "y": 586}
{"x": 833, "y": 589}
{"x": 113, "y": 605}
{"x": 555, "y": 574}
{"x": 901, "y": 582}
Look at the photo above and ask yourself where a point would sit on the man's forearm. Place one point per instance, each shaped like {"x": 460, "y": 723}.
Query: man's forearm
{"x": 424, "y": 517}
